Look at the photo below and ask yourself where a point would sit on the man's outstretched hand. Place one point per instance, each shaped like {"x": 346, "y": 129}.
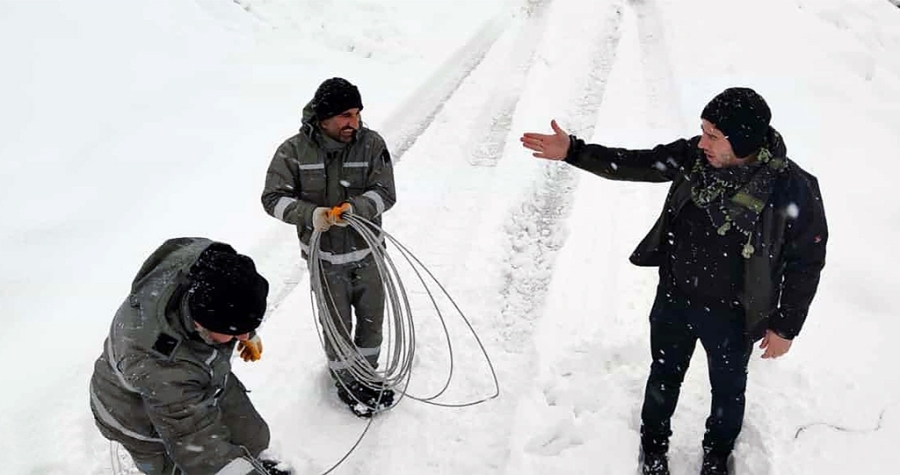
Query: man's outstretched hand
{"x": 554, "y": 146}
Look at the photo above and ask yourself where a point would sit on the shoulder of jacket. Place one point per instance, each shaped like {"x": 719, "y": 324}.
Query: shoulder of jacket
{"x": 297, "y": 140}
{"x": 299, "y": 148}
{"x": 795, "y": 188}
{"x": 368, "y": 137}
{"x": 151, "y": 320}
{"x": 172, "y": 254}
{"x": 800, "y": 179}
{"x": 153, "y": 340}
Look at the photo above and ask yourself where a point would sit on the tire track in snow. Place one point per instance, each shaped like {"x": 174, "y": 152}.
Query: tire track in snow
{"x": 533, "y": 230}
{"x": 493, "y": 121}
{"x": 411, "y": 120}
{"x": 458, "y": 195}
{"x": 662, "y": 94}
{"x": 592, "y": 350}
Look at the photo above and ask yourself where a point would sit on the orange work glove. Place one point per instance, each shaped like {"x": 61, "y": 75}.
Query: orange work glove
{"x": 250, "y": 350}
{"x": 335, "y": 215}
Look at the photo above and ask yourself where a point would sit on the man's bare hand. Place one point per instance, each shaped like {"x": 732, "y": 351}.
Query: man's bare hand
{"x": 552, "y": 147}
{"x": 774, "y": 345}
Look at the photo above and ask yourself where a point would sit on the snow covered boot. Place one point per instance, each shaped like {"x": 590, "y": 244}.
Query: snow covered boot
{"x": 273, "y": 467}
{"x": 347, "y": 392}
{"x": 715, "y": 463}
{"x": 380, "y": 398}
{"x": 362, "y": 401}
{"x": 654, "y": 463}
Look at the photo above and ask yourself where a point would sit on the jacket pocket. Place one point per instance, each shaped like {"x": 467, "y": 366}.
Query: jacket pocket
{"x": 354, "y": 176}
{"x": 312, "y": 182}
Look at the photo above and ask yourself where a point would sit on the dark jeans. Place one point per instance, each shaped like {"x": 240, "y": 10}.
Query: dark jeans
{"x": 674, "y": 331}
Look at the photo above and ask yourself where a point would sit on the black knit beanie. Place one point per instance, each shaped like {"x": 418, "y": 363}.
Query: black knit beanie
{"x": 334, "y": 96}
{"x": 227, "y": 295}
{"x": 743, "y": 116}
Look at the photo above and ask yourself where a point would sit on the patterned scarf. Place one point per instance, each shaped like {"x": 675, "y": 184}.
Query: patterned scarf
{"x": 734, "y": 197}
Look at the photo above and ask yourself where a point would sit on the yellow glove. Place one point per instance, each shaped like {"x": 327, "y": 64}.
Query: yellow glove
{"x": 250, "y": 350}
{"x": 336, "y": 214}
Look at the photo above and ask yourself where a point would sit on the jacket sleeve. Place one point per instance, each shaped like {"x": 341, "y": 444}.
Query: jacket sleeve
{"x": 186, "y": 416}
{"x": 280, "y": 197}
{"x": 380, "y": 194}
{"x": 806, "y": 236}
{"x": 659, "y": 164}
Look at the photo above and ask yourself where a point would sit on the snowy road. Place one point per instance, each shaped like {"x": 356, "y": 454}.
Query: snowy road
{"x": 494, "y": 225}
{"x": 113, "y": 146}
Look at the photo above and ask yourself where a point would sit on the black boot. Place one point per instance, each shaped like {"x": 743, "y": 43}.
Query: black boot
{"x": 272, "y": 467}
{"x": 654, "y": 463}
{"x": 363, "y": 401}
{"x": 715, "y": 463}
{"x": 348, "y": 393}
{"x": 654, "y": 446}
{"x": 379, "y": 397}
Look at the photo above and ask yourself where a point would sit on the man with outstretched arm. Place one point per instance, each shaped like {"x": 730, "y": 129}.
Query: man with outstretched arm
{"x": 740, "y": 244}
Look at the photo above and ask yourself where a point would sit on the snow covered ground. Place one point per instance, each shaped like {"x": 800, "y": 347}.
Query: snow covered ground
{"x": 126, "y": 123}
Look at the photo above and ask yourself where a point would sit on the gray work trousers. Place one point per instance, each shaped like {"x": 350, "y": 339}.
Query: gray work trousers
{"x": 354, "y": 288}
{"x": 247, "y": 429}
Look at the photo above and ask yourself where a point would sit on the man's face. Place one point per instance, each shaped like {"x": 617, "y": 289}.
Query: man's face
{"x": 716, "y": 146}
{"x": 343, "y": 126}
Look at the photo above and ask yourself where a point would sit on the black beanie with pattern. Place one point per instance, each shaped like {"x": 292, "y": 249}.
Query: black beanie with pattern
{"x": 227, "y": 295}
{"x": 335, "y": 96}
{"x": 743, "y": 116}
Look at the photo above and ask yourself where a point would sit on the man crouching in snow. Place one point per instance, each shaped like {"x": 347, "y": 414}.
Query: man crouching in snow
{"x": 163, "y": 386}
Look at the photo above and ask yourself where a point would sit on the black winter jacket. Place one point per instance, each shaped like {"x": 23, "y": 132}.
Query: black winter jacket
{"x": 781, "y": 277}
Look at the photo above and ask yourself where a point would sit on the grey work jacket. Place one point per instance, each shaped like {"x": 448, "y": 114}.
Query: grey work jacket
{"x": 155, "y": 380}
{"x": 303, "y": 176}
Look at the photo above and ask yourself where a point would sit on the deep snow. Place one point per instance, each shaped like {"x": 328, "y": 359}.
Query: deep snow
{"x": 125, "y": 123}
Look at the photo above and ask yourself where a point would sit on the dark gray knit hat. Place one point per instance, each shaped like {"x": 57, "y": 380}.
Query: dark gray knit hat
{"x": 743, "y": 116}
{"x": 227, "y": 295}
{"x": 334, "y": 96}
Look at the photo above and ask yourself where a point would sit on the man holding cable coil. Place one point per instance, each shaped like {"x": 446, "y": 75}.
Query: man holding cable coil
{"x": 335, "y": 166}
